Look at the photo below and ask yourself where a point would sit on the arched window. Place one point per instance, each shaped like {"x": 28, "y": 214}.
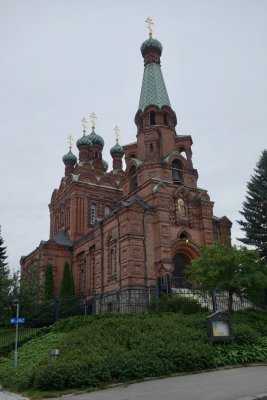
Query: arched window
{"x": 106, "y": 211}
{"x": 184, "y": 236}
{"x": 93, "y": 214}
{"x": 165, "y": 117}
{"x": 152, "y": 118}
{"x": 177, "y": 171}
{"x": 112, "y": 262}
{"x": 96, "y": 155}
{"x": 151, "y": 147}
{"x": 181, "y": 207}
{"x": 133, "y": 178}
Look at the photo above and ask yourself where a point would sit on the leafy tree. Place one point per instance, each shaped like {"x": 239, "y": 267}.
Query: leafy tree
{"x": 49, "y": 283}
{"x": 67, "y": 285}
{"x": 255, "y": 209}
{"x": 227, "y": 268}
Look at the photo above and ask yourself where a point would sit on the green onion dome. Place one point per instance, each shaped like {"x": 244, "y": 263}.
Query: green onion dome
{"x": 96, "y": 139}
{"x": 117, "y": 149}
{"x": 151, "y": 43}
{"x": 105, "y": 164}
{"x": 84, "y": 141}
{"x": 69, "y": 157}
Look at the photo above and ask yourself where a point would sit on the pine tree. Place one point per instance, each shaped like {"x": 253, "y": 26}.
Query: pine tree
{"x": 5, "y": 282}
{"x": 67, "y": 289}
{"x": 49, "y": 283}
{"x": 255, "y": 209}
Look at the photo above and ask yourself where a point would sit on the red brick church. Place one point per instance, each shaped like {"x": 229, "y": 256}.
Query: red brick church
{"x": 123, "y": 229}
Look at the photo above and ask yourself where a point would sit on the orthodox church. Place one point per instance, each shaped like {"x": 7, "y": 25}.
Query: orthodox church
{"x": 125, "y": 229}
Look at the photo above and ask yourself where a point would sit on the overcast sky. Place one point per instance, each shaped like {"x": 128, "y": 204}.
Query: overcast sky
{"x": 62, "y": 59}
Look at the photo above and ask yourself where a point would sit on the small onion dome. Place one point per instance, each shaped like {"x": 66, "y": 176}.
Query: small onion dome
{"x": 150, "y": 43}
{"x": 117, "y": 149}
{"x": 96, "y": 139}
{"x": 69, "y": 157}
{"x": 84, "y": 141}
{"x": 105, "y": 164}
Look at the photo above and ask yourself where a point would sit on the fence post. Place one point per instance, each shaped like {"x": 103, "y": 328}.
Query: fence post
{"x": 213, "y": 299}
{"x": 85, "y": 307}
{"x": 157, "y": 298}
{"x": 118, "y": 300}
{"x": 148, "y": 285}
{"x": 94, "y": 302}
{"x": 56, "y": 308}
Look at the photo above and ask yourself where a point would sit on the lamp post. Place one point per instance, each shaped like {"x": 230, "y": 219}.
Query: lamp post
{"x": 16, "y": 304}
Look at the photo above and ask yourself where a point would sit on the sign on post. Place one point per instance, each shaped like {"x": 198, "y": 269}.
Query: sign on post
{"x": 14, "y": 321}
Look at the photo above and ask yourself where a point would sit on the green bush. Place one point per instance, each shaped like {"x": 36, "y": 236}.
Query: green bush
{"x": 228, "y": 354}
{"x": 245, "y": 334}
{"x": 95, "y": 351}
{"x": 176, "y": 303}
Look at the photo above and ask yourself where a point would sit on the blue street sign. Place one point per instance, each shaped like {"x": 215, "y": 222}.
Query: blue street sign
{"x": 17, "y": 321}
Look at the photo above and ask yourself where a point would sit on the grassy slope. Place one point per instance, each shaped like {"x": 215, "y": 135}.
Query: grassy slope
{"x": 100, "y": 350}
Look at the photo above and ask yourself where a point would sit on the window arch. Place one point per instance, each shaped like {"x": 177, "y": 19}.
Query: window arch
{"x": 133, "y": 178}
{"x": 177, "y": 171}
{"x": 184, "y": 236}
{"x": 152, "y": 118}
{"x": 93, "y": 214}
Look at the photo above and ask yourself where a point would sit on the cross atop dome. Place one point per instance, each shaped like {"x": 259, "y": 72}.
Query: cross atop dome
{"x": 150, "y": 23}
{"x": 70, "y": 141}
{"x": 84, "y": 124}
{"x": 116, "y": 129}
{"x": 93, "y": 118}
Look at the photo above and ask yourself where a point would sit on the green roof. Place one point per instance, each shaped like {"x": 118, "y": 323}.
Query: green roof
{"x": 153, "y": 88}
{"x": 151, "y": 42}
{"x": 69, "y": 157}
{"x": 117, "y": 149}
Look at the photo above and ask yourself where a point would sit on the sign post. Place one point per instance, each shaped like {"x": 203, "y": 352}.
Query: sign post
{"x": 16, "y": 304}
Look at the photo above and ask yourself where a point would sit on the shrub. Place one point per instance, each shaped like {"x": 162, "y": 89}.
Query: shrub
{"x": 245, "y": 334}
{"x": 176, "y": 303}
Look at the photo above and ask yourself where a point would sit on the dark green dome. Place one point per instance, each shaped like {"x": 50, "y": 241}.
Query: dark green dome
{"x": 96, "y": 139}
{"x": 69, "y": 157}
{"x": 117, "y": 149}
{"x": 149, "y": 43}
{"x": 84, "y": 141}
{"x": 105, "y": 164}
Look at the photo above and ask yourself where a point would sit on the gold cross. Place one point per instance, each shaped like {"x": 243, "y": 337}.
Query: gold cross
{"x": 150, "y": 23}
{"x": 116, "y": 129}
{"x": 93, "y": 117}
{"x": 70, "y": 140}
{"x": 84, "y": 124}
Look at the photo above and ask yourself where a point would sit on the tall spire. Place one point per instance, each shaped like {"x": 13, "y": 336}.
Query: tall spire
{"x": 153, "y": 87}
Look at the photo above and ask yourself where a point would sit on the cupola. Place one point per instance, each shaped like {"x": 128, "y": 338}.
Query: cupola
{"x": 84, "y": 144}
{"x": 117, "y": 152}
{"x": 69, "y": 159}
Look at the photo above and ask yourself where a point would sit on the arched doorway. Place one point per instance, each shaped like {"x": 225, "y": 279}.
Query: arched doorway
{"x": 180, "y": 261}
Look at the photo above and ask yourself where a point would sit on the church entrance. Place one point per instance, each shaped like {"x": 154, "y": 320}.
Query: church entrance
{"x": 179, "y": 271}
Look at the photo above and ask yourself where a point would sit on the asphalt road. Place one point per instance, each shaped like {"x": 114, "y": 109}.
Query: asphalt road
{"x": 231, "y": 384}
{"x": 247, "y": 383}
